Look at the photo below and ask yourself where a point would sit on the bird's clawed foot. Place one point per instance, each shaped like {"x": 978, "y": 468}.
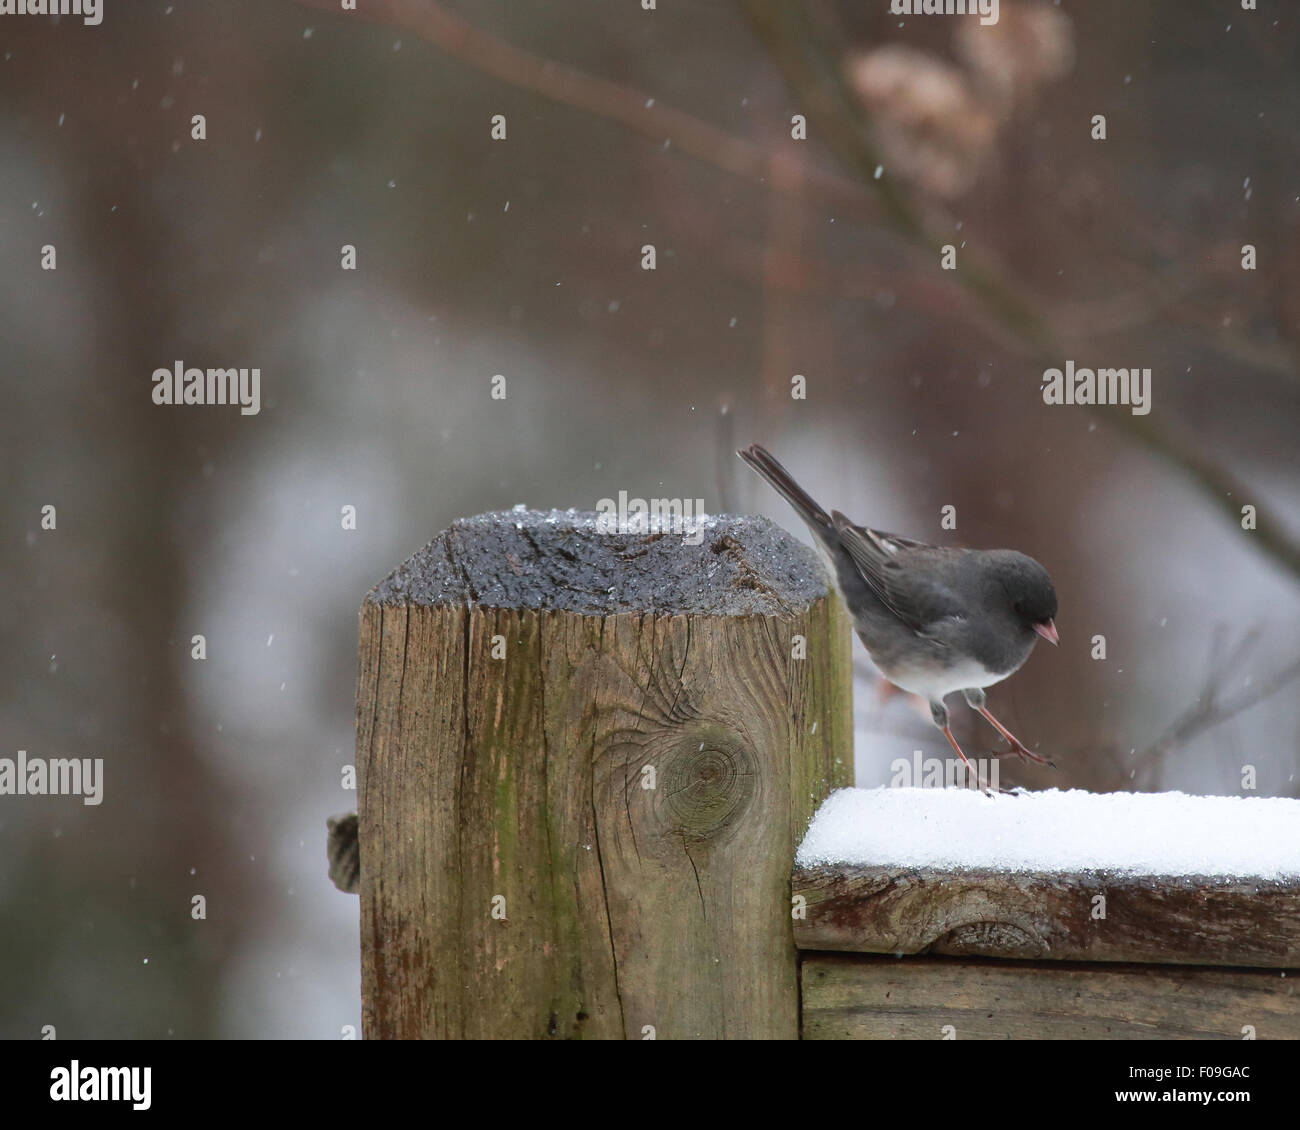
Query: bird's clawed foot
{"x": 1025, "y": 755}
{"x": 975, "y": 699}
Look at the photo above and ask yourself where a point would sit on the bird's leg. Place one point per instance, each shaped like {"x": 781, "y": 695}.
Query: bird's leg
{"x": 976, "y": 699}
{"x": 939, "y": 713}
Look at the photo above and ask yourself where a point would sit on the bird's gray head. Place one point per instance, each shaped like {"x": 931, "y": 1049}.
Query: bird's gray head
{"x": 1023, "y": 586}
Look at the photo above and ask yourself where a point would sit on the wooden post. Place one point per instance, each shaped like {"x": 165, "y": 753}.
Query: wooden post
{"x": 585, "y": 761}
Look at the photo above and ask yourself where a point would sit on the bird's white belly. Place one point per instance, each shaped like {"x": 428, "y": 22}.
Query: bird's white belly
{"x": 933, "y": 683}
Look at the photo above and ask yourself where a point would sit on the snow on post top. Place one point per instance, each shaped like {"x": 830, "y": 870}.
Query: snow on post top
{"x": 1170, "y": 834}
{"x": 722, "y": 565}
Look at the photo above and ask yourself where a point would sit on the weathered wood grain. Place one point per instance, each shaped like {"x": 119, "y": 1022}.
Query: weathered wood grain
{"x": 1170, "y": 920}
{"x": 519, "y": 778}
{"x": 855, "y": 997}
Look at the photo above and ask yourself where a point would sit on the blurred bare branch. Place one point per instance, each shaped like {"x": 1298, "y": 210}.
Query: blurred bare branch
{"x": 638, "y": 111}
{"x": 1211, "y": 708}
{"x": 1142, "y": 769}
{"x": 812, "y": 68}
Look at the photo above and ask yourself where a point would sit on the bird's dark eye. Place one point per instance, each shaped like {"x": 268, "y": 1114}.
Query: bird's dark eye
{"x": 1018, "y": 610}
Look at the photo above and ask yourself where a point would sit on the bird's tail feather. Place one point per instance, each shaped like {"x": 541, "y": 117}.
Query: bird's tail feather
{"x": 765, "y": 463}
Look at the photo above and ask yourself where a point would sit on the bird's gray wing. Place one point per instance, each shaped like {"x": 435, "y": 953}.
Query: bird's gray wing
{"x": 889, "y": 543}
{"x": 919, "y": 601}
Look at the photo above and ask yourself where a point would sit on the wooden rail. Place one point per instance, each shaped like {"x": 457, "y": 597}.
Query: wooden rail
{"x": 1174, "y": 956}
{"x": 1176, "y": 920}
{"x": 861, "y": 997}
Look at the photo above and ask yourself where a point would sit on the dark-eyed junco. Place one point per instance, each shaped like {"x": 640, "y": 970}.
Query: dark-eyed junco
{"x": 934, "y": 620}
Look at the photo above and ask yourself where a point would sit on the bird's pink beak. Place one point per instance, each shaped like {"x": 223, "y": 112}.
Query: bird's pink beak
{"x": 1047, "y": 629}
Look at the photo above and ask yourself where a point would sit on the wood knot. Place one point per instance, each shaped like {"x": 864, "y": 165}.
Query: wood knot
{"x": 990, "y": 939}
{"x": 707, "y": 785}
